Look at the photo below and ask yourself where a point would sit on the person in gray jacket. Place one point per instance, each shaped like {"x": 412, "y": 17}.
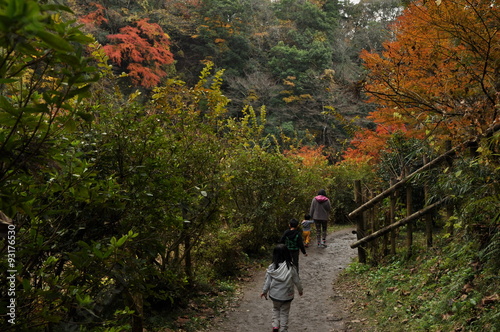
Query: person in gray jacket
{"x": 281, "y": 277}
{"x": 320, "y": 213}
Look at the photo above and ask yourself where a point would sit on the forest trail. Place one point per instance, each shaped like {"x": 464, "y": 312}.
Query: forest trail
{"x": 321, "y": 308}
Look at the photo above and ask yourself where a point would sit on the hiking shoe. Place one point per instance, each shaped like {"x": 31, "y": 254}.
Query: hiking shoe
{"x": 276, "y": 329}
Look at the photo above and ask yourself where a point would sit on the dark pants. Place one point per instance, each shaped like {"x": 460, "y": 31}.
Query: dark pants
{"x": 320, "y": 230}
{"x": 295, "y": 258}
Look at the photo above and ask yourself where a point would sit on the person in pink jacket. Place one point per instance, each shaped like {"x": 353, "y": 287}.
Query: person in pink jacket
{"x": 281, "y": 280}
{"x": 320, "y": 213}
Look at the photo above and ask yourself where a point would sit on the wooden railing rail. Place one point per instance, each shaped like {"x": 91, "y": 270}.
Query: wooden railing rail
{"x": 397, "y": 224}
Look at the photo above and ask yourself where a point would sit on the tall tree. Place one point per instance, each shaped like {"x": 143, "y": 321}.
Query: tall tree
{"x": 306, "y": 51}
{"x": 441, "y": 72}
{"x": 143, "y": 51}
{"x": 223, "y": 31}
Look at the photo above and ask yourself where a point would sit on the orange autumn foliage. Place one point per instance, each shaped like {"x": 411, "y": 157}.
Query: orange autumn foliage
{"x": 440, "y": 74}
{"x": 143, "y": 50}
{"x": 367, "y": 145}
{"x": 95, "y": 18}
{"x": 309, "y": 157}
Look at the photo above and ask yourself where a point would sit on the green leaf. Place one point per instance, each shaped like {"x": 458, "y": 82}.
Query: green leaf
{"x": 121, "y": 241}
{"x": 55, "y": 41}
{"x": 78, "y": 91}
{"x": 53, "y": 7}
{"x": 85, "y": 116}
{"x": 7, "y": 80}
{"x": 97, "y": 252}
{"x": 6, "y": 105}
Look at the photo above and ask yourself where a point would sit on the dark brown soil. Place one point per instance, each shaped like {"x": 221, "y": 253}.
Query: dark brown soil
{"x": 326, "y": 305}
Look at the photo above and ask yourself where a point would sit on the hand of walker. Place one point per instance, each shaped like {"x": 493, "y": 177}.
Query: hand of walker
{"x": 263, "y": 295}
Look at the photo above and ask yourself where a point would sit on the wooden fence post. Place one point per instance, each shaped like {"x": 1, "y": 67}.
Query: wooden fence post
{"x": 449, "y": 207}
{"x": 392, "y": 218}
{"x": 360, "y": 231}
{"x": 368, "y": 224}
{"x": 428, "y": 217}
{"x": 409, "y": 211}
{"x": 385, "y": 239}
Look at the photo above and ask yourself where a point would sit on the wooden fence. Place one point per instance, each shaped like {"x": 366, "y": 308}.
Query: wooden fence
{"x": 365, "y": 215}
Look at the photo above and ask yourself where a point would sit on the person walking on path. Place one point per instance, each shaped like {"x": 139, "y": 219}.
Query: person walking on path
{"x": 306, "y": 229}
{"x": 280, "y": 282}
{"x": 320, "y": 213}
{"x": 292, "y": 238}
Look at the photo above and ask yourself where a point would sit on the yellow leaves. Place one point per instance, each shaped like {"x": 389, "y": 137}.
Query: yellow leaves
{"x": 251, "y": 97}
{"x": 289, "y": 81}
{"x": 134, "y": 95}
{"x": 261, "y": 34}
{"x": 289, "y": 99}
{"x": 328, "y": 74}
{"x": 299, "y": 98}
{"x": 217, "y": 24}
{"x": 101, "y": 57}
{"x": 192, "y": 106}
{"x": 249, "y": 128}
{"x": 320, "y": 37}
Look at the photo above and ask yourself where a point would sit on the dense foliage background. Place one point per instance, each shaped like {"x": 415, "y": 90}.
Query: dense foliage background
{"x": 149, "y": 149}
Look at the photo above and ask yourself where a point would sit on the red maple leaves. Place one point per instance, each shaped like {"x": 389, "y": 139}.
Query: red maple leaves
{"x": 143, "y": 50}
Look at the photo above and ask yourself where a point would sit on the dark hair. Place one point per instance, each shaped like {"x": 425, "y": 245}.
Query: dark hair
{"x": 294, "y": 223}
{"x": 281, "y": 254}
{"x": 322, "y": 192}
{"x": 307, "y": 217}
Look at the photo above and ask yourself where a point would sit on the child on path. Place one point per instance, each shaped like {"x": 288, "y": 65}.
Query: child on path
{"x": 292, "y": 238}
{"x": 281, "y": 277}
{"x": 306, "y": 229}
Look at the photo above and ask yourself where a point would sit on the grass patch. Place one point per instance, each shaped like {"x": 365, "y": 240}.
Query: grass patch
{"x": 446, "y": 288}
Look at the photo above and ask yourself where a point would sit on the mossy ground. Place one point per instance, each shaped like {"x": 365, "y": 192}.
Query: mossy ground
{"x": 453, "y": 286}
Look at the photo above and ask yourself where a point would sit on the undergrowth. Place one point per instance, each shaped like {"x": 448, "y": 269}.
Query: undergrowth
{"x": 451, "y": 287}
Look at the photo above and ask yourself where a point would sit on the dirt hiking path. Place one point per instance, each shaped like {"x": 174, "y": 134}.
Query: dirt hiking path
{"x": 321, "y": 308}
